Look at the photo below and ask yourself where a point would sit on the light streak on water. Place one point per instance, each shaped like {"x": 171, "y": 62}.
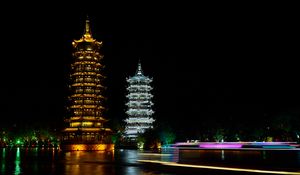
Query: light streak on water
{"x": 218, "y": 167}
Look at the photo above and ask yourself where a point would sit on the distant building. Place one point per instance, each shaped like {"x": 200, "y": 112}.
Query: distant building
{"x": 85, "y": 124}
{"x": 139, "y": 104}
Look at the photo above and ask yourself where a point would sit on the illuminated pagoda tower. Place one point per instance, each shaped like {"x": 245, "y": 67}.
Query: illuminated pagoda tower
{"x": 85, "y": 124}
{"x": 139, "y": 105}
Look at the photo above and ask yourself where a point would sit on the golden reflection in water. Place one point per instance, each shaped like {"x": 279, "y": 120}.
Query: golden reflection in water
{"x": 53, "y": 153}
{"x": 89, "y": 162}
{"x": 102, "y": 163}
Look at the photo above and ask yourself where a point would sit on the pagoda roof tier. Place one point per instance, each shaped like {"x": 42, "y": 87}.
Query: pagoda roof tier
{"x": 139, "y": 79}
{"x": 83, "y": 40}
{"x": 74, "y": 118}
{"x": 132, "y": 106}
{"x": 139, "y": 106}
{"x": 83, "y": 55}
{"x": 95, "y": 76}
{"x": 139, "y": 76}
{"x": 89, "y": 74}
{"x": 138, "y": 91}
{"x": 90, "y": 118}
{"x": 76, "y": 75}
{"x": 133, "y": 127}
{"x": 85, "y": 73}
{"x": 85, "y": 84}
{"x": 140, "y": 120}
{"x": 140, "y": 123}
{"x": 141, "y": 90}
{"x": 138, "y": 127}
{"x": 83, "y": 120}
{"x": 140, "y": 110}
{"x": 87, "y": 106}
{"x": 139, "y": 95}
{"x": 138, "y": 98}
{"x": 79, "y": 52}
{"x": 87, "y": 129}
{"x": 80, "y": 62}
{"x": 139, "y": 102}
{"x": 87, "y": 95}
{"x": 144, "y": 86}
{"x": 91, "y": 80}
{"x": 140, "y": 117}
{"x": 87, "y": 62}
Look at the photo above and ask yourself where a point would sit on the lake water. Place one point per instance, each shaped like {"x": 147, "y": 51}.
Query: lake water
{"x": 267, "y": 159}
{"x": 33, "y": 161}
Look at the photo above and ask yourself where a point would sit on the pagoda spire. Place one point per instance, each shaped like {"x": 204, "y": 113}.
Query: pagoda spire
{"x": 87, "y": 29}
{"x": 139, "y": 70}
{"x": 87, "y": 35}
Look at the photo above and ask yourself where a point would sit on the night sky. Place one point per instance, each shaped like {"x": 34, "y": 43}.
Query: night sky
{"x": 206, "y": 61}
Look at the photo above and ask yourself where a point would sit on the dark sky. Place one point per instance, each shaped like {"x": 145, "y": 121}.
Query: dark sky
{"x": 206, "y": 60}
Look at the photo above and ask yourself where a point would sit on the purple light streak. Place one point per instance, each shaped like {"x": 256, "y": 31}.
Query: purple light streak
{"x": 220, "y": 145}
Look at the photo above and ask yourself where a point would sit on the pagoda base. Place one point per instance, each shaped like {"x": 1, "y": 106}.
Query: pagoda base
{"x": 88, "y": 147}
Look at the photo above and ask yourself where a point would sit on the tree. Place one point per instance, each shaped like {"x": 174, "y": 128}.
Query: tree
{"x": 167, "y": 136}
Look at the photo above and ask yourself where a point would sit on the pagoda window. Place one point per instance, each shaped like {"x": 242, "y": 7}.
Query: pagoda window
{"x": 75, "y": 124}
{"x": 88, "y": 79}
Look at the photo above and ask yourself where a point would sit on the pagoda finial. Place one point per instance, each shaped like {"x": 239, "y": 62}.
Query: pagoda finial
{"x": 87, "y": 29}
{"x": 139, "y": 70}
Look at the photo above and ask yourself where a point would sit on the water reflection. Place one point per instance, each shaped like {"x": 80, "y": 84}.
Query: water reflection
{"x": 53, "y": 161}
{"x": 17, "y": 162}
{"x": 131, "y": 170}
{"x": 35, "y": 161}
{"x": 223, "y": 155}
{"x": 3, "y": 161}
{"x": 119, "y": 162}
{"x": 82, "y": 162}
{"x": 264, "y": 155}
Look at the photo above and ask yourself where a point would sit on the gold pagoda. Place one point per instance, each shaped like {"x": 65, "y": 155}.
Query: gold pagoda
{"x": 85, "y": 124}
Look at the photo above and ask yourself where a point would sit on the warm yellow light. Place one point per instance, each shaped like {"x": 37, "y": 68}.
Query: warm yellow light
{"x": 102, "y": 147}
{"x": 75, "y": 118}
{"x": 79, "y": 147}
{"x": 90, "y": 129}
{"x": 91, "y": 147}
{"x": 71, "y": 129}
{"x": 89, "y": 106}
{"x": 75, "y": 124}
{"x": 89, "y": 118}
{"x": 87, "y": 123}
